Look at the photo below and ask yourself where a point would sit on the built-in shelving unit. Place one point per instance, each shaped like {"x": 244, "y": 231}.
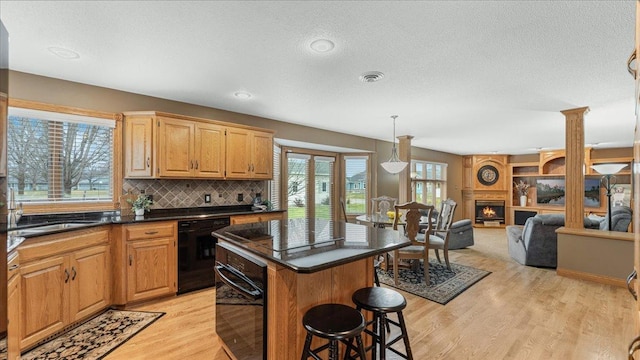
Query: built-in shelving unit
{"x": 551, "y": 166}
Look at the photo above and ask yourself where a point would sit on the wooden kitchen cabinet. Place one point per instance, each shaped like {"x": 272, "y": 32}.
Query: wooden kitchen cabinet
{"x": 139, "y": 158}
{"x": 249, "y": 154}
{"x": 209, "y": 150}
{"x": 151, "y": 260}
{"x": 64, "y": 278}
{"x": 13, "y": 306}
{"x": 162, "y": 145}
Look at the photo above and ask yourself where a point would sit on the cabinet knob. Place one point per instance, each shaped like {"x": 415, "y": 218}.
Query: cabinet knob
{"x": 148, "y": 162}
{"x": 150, "y": 232}
{"x": 130, "y": 260}
{"x": 66, "y": 277}
{"x": 73, "y": 269}
{"x": 196, "y": 164}
{"x": 14, "y": 267}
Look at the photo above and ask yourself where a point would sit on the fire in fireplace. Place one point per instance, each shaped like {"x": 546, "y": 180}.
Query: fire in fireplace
{"x": 489, "y": 211}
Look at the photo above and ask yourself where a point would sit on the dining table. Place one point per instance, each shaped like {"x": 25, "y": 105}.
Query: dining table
{"x": 376, "y": 220}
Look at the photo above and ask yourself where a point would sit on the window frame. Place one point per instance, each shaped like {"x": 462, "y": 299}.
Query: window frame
{"x": 442, "y": 181}
{"x": 117, "y": 180}
{"x": 367, "y": 186}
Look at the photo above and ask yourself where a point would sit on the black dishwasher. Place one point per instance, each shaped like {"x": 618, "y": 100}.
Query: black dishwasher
{"x": 196, "y": 253}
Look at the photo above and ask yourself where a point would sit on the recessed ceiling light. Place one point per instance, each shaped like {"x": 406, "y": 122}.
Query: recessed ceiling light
{"x": 322, "y": 45}
{"x": 63, "y": 53}
{"x": 242, "y": 95}
{"x": 371, "y": 76}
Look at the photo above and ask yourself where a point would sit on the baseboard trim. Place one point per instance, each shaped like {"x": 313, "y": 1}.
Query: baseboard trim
{"x": 602, "y": 279}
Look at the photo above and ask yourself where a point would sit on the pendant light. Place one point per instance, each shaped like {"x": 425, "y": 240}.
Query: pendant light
{"x": 394, "y": 165}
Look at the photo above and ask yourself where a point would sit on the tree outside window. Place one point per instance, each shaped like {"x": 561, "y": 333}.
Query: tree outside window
{"x": 56, "y": 160}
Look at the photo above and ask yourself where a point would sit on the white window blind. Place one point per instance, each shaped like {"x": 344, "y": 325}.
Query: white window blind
{"x": 56, "y": 157}
{"x": 275, "y": 196}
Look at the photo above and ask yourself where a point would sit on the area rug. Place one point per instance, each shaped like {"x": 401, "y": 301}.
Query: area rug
{"x": 95, "y": 338}
{"x": 444, "y": 284}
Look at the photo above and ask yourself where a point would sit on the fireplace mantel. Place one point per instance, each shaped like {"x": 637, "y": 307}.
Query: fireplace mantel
{"x": 479, "y": 185}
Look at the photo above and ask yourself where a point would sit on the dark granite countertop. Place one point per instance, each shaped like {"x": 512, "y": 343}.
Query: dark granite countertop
{"x": 83, "y": 220}
{"x": 310, "y": 245}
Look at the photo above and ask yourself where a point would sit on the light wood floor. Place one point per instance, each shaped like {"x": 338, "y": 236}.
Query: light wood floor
{"x": 517, "y": 312}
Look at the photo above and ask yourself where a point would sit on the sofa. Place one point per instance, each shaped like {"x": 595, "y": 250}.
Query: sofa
{"x": 536, "y": 243}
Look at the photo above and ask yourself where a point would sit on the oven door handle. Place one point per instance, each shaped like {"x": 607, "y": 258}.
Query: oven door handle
{"x": 254, "y": 294}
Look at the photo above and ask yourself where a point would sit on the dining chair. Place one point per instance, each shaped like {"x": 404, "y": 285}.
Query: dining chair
{"x": 438, "y": 235}
{"x": 412, "y": 226}
{"x": 382, "y": 204}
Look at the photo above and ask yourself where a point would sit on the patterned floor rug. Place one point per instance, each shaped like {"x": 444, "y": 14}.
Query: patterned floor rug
{"x": 444, "y": 284}
{"x": 95, "y": 338}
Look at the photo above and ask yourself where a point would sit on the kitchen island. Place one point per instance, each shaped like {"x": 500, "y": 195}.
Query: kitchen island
{"x": 308, "y": 262}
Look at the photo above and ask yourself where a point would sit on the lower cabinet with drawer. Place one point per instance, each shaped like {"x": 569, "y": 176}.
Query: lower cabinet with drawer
{"x": 64, "y": 278}
{"x": 151, "y": 260}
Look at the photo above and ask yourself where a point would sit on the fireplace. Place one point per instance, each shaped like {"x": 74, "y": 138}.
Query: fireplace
{"x": 490, "y": 212}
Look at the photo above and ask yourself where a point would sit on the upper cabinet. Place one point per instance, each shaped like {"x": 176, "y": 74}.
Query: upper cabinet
{"x": 159, "y": 145}
{"x": 249, "y": 154}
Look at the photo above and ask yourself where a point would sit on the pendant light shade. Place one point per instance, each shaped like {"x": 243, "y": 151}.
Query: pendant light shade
{"x": 394, "y": 165}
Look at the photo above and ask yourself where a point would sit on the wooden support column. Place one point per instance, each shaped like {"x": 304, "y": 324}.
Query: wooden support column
{"x": 574, "y": 168}
{"x": 404, "y": 177}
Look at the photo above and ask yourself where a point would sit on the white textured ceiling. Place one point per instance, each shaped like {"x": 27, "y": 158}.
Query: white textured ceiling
{"x": 465, "y": 77}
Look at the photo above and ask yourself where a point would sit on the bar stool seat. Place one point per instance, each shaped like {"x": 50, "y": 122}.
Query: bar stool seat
{"x": 382, "y": 301}
{"x": 336, "y": 323}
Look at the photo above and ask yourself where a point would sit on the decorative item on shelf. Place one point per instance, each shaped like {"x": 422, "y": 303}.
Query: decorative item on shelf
{"x": 522, "y": 188}
{"x": 608, "y": 181}
{"x": 394, "y": 165}
{"x": 140, "y": 204}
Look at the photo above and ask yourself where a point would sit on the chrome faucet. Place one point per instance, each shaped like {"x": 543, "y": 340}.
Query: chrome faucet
{"x": 15, "y": 213}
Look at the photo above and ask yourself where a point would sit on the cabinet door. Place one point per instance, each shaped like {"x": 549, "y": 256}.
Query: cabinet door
{"x": 151, "y": 268}
{"x": 44, "y": 298}
{"x": 89, "y": 284}
{"x": 238, "y": 154}
{"x": 209, "y": 151}
{"x": 138, "y": 147}
{"x": 262, "y": 155}
{"x": 175, "y": 148}
{"x": 13, "y": 310}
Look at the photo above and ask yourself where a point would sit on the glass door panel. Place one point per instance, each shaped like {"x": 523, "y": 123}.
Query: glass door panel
{"x": 297, "y": 180}
{"x": 324, "y": 187}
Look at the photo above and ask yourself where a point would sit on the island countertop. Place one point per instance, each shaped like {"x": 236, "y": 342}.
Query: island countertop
{"x": 311, "y": 245}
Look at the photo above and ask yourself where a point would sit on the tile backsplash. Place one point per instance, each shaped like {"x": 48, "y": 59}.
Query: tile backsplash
{"x": 190, "y": 193}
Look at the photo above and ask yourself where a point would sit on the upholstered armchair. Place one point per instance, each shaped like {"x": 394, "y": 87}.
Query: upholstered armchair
{"x": 536, "y": 243}
{"x": 620, "y": 219}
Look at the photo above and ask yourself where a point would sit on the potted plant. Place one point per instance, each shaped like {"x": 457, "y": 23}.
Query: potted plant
{"x": 140, "y": 204}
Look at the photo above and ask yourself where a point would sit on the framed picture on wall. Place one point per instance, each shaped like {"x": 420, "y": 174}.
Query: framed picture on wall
{"x": 621, "y": 195}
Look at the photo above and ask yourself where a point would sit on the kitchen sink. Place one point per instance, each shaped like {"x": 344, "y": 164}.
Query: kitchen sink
{"x": 45, "y": 228}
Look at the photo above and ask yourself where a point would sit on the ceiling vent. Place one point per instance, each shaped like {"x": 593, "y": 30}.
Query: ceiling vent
{"x": 371, "y": 76}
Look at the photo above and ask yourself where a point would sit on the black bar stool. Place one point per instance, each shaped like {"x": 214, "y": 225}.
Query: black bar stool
{"x": 381, "y": 301}
{"x": 334, "y": 322}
